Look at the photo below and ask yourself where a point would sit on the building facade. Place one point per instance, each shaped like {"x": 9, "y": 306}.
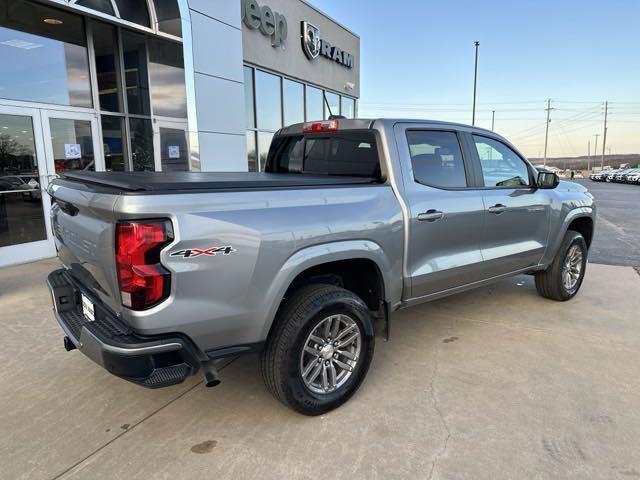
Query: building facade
{"x": 155, "y": 85}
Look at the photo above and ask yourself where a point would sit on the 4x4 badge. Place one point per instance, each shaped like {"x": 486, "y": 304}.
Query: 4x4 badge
{"x": 210, "y": 252}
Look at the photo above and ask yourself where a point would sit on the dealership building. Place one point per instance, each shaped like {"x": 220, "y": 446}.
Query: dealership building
{"x": 158, "y": 85}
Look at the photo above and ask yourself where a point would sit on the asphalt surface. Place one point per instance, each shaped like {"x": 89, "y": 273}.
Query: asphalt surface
{"x": 496, "y": 383}
{"x": 617, "y": 236}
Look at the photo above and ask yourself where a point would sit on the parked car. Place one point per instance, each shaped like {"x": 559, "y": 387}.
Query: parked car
{"x": 27, "y": 185}
{"x": 634, "y": 177}
{"x": 163, "y": 273}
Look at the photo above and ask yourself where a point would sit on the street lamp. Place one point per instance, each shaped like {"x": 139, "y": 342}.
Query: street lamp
{"x": 475, "y": 84}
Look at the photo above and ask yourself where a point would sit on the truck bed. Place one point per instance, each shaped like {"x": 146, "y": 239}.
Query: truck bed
{"x": 162, "y": 182}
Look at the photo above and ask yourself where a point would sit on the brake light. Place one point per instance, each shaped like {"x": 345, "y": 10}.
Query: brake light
{"x": 143, "y": 281}
{"x": 318, "y": 127}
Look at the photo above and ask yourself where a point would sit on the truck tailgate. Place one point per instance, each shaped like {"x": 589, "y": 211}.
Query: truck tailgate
{"x": 84, "y": 227}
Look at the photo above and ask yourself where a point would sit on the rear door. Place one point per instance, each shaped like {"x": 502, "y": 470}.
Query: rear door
{"x": 517, "y": 213}
{"x": 446, "y": 214}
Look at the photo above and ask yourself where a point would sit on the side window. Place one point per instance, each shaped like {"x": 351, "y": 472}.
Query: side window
{"x": 436, "y": 158}
{"x": 501, "y": 166}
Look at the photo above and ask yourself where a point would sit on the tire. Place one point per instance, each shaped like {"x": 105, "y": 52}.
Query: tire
{"x": 283, "y": 360}
{"x": 551, "y": 282}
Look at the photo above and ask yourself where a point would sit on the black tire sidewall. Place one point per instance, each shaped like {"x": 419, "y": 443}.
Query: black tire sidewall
{"x": 296, "y": 391}
{"x": 574, "y": 239}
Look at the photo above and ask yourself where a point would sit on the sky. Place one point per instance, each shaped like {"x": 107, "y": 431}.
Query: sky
{"x": 417, "y": 61}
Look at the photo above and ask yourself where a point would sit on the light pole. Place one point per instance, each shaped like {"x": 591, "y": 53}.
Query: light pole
{"x": 475, "y": 84}
{"x": 493, "y": 120}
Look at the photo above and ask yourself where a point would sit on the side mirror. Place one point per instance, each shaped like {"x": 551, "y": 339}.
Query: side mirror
{"x": 547, "y": 180}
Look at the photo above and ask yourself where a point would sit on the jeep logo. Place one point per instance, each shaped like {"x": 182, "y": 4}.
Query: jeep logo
{"x": 270, "y": 23}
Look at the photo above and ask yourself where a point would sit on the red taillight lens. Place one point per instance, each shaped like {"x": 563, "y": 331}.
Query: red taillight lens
{"x": 319, "y": 127}
{"x": 143, "y": 280}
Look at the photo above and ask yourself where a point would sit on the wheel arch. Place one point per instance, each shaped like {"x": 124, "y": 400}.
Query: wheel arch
{"x": 359, "y": 266}
{"x": 579, "y": 219}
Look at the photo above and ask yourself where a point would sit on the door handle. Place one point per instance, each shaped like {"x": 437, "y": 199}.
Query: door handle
{"x": 498, "y": 208}
{"x": 430, "y": 216}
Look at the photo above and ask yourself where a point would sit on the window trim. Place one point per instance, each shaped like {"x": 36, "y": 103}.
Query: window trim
{"x": 468, "y": 173}
{"x": 480, "y": 174}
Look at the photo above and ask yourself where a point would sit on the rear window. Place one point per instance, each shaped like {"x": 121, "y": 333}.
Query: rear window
{"x": 349, "y": 153}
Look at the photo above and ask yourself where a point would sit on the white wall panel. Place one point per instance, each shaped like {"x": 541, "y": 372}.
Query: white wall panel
{"x": 227, "y": 11}
{"x": 217, "y": 48}
{"x": 220, "y": 105}
{"x": 223, "y": 153}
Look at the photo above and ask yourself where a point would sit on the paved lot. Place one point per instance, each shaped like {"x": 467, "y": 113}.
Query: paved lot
{"x": 495, "y": 383}
{"x": 617, "y": 238}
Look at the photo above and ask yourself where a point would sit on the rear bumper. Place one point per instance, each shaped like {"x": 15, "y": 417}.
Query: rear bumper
{"x": 150, "y": 361}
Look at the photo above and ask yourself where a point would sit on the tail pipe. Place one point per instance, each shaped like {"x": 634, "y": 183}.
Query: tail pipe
{"x": 211, "y": 376}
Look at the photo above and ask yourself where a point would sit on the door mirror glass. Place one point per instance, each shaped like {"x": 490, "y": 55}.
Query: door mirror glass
{"x": 547, "y": 180}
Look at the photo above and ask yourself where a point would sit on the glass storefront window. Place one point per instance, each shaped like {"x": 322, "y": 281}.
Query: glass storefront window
{"x": 348, "y": 107}
{"x": 106, "y": 47}
{"x": 113, "y": 141}
{"x": 268, "y": 101}
{"x": 29, "y": 47}
{"x": 251, "y": 151}
{"x": 249, "y": 110}
{"x": 333, "y": 102}
{"x": 136, "y": 75}
{"x": 166, "y": 69}
{"x": 103, "y": 6}
{"x": 134, "y": 11}
{"x": 168, "y": 14}
{"x": 315, "y": 104}
{"x": 72, "y": 142}
{"x": 21, "y": 213}
{"x": 293, "y": 102}
{"x": 264, "y": 142}
{"x": 141, "y": 144}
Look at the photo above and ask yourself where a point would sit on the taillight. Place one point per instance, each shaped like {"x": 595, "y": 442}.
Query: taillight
{"x": 143, "y": 281}
{"x": 319, "y": 127}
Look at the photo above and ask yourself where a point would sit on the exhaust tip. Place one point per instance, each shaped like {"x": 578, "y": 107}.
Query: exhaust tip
{"x": 211, "y": 377}
{"x": 68, "y": 344}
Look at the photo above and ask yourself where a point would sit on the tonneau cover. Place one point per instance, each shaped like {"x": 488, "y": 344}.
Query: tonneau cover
{"x": 185, "y": 181}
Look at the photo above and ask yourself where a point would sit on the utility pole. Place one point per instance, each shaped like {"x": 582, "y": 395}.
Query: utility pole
{"x": 604, "y": 137}
{"x": 493, "y": 120}
{"x": 595, "y": 149}
{"x": 546, "y": 134}
{"x": 589, "y": 156}
{"x": 475, "y": 84}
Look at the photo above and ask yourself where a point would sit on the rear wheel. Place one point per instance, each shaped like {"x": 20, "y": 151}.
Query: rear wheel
{"x": 320, "y": 349}
{"x": 562, "y": 280}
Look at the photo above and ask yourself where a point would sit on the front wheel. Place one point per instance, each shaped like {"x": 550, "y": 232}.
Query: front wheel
{"x": 319, "y": 350}
{"x": 562, "y": 280}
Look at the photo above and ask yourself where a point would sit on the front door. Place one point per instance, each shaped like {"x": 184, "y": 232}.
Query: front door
{"x": 36, "y": 146}
{"x": 446, "y": 214}
{"x": 517, "y": 213}
{"x": 172, "y": 146}
{"x": 71, "y": 142}
{"x": 24, "y": 207}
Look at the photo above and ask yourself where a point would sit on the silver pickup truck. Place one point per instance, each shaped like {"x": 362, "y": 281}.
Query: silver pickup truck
{"x": 164, "y": 273}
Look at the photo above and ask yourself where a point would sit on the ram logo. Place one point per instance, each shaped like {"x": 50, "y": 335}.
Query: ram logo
{"x": 209, "y": 252}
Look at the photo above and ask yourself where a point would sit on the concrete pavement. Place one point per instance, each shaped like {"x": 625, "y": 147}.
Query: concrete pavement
{"x": 494, "y": 383}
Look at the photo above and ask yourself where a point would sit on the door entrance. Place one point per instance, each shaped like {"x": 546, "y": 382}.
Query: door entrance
{"x": 35, "y": 146}
{"x": 172, "y": 146}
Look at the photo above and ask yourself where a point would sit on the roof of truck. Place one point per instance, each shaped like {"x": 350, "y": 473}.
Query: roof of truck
{"x": 368, "y": 123}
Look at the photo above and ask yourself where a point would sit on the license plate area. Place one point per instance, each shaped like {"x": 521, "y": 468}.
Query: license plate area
{"x": 88, "y": 309}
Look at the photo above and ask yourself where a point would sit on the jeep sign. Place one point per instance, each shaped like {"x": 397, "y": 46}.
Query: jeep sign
{"x": 313, "y": 46}
{"x": 270, "y": 23}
